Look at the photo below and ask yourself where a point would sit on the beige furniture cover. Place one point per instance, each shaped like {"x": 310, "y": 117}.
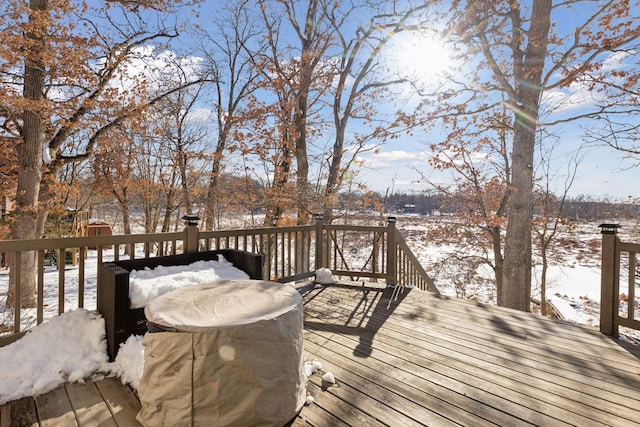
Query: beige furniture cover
{"x": 235, "y": 360}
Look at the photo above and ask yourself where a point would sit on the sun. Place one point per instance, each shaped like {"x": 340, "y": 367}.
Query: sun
{"x": 419, "y": 57}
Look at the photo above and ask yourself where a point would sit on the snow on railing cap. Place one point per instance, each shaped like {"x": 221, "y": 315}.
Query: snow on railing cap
{"x": 191, "y": 219}
{"x": 609, "y": 228}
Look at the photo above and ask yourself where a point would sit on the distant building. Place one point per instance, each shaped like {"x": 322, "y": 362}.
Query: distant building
{"x": 96, "y": 228}
{"x": 409, "y": 208}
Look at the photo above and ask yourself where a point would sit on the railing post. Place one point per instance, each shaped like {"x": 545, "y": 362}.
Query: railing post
{"x": 17, "y": 292}
{"x": 319, "y": 218}
{"x": 609, "y": 280}
{"x": 190, "y": 233}
{"x": 391, "y": 251}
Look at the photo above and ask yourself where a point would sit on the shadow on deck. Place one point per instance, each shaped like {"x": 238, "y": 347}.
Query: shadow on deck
{"x": 369, "y": 307}
{"x": 427, "y": 360}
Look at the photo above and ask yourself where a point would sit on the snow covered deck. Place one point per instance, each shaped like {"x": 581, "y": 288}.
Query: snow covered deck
{"x": 420, "y": 360}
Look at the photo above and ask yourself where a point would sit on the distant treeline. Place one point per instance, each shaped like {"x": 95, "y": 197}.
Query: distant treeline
{"x": 585, "y": 208}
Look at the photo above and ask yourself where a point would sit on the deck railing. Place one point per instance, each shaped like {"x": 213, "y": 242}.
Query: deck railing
{"x": 60, "y": 249}
{"x": 617, "y": 308}
{"x": 373, "y": 253}
{"x": 288, "y": 251}
{"x": 291, "y": 254}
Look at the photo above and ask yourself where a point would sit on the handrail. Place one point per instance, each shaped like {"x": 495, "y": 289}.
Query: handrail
{"x": 290, "y": 254}
{"x": 610, "y": 310}
{"x": 410, "y": 271}
{"x": 63, "y": 242}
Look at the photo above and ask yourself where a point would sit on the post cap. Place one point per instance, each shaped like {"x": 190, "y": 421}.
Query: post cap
{"x": 609, "y": 228}
{"x": 191, "y": 219}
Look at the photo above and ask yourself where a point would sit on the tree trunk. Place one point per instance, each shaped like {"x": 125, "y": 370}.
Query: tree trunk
{"x": 25, "y": 225}
{"x": 333, "y": 180}
{"x": 148, "y": 216}
{"x": 186, "y": 195}
{"x": 212, "y": 191}
{"x": 498, "y": 260}
{"x": 126, "y": 218}
{"x": 516, "y": 290}
{"x": 309, "y": 60}
{"x": 166, "y": 220}
{"x": 543, "y": 278}
{"x": 282, "y": 168}
{"x": 275, "y": 195}
{"x": 302, "y": 176}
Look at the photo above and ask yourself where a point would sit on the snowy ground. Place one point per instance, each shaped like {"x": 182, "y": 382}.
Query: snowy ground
{"x": 71, "y": 347}
{"x": 573, "y": 276}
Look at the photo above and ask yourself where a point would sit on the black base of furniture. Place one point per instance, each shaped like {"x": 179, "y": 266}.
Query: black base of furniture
{"x": 121, "y": 320}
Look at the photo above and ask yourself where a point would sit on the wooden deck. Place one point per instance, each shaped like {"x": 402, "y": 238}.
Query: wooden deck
{"x": 105, "y": 403}
{"x": 437, "y": 361}
{"x": 417, "y": 360}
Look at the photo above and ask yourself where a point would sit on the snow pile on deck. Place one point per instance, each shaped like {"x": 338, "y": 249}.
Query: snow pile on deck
{"x": 147, "y": 284}
{"x": 67, "y": 348}
{"x": 129, "y": 362}
{"x": 325, "y": 277}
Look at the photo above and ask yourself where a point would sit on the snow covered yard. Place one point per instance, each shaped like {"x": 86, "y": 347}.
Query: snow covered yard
{"x": 573, "y": 275}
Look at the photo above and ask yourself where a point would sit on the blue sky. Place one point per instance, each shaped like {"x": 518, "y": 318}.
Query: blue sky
{"x": 396, "y": 165}
{"x": 602, "y": 172}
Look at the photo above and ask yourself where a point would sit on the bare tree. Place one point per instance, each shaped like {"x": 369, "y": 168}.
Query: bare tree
{"x": 73, "y": 61}
{"x": 516, "y": 55}
{"x": 481, "y": 171}
{"x": 182, "y": 137}
{"x": 113, "y": 170}
{"x": 295, "y": 73}
{"x": 362, "y": 83}
{"x": 228, "y": 52}
{"x": 549, "y": 207}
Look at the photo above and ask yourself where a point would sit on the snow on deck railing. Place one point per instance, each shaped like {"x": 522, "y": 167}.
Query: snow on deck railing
{"x": 617, "y": 307}
{"x": 290, "y": 254}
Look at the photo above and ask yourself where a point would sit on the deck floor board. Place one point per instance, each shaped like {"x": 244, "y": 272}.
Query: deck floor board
{"x": 90, "y": 408}
{"x": 441, "y": 347}
{"x": 54, "y": 409}
{"x": 415, "y": 360}
{"x": 122, "y": 402}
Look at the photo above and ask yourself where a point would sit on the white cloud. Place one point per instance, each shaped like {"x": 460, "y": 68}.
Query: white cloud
{"x": 159, "y": 69}
{"x": 201, "y": 115}
{"x": 615, "y": 61}
{"x": 578, "y": 95}
{"x": 389, "y": 158}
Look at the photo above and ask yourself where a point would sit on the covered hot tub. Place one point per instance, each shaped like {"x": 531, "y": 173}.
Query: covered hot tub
{"x": 114, "y": 302}
{"x": 227, "y": 354}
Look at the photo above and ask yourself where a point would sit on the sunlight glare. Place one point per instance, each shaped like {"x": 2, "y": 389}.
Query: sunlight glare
{"x": 421, "y": 58}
